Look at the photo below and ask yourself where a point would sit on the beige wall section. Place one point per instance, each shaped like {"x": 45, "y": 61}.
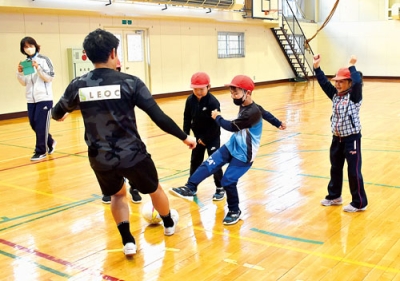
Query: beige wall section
{"x": 361, "y": 28}
{"x": 178, "y": 48}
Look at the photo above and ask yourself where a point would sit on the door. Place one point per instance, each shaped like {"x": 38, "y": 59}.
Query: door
{"x": 132, "y": 53}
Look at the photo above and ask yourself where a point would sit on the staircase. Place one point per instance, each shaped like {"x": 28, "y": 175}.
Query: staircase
{"x": 292, "y": 41}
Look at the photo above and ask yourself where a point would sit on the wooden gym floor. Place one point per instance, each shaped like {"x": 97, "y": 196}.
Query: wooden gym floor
{"x": 53, "y": 225}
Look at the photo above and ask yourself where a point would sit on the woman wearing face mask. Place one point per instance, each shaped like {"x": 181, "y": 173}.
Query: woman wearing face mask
{"x": 37, "y": 78}
{"x": 238, "y": 152}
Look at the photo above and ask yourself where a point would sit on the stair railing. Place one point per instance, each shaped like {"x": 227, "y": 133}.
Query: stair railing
{"x": 297, "y": 35}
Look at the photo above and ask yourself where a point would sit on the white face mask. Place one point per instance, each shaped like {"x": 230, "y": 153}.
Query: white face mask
{"x": 30, "y": 51}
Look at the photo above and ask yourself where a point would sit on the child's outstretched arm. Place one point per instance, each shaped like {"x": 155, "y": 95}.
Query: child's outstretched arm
{"x": 267, "y": 116}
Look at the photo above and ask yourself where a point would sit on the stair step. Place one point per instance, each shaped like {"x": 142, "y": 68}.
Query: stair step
{"x": 289, "y": 44}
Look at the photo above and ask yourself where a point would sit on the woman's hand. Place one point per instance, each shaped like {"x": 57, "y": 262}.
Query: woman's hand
{"x": 20, "y": 68}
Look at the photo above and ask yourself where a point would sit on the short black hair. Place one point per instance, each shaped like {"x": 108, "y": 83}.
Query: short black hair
{"x": 30, "y": 41}
{"x": 99, "y": 44}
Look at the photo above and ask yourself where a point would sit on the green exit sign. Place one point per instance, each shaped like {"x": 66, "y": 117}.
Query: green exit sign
{"x": 129, "y": 22}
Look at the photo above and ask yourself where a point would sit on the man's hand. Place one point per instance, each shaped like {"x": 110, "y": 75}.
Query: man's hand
{"x": 63, "y": 118}
{"x": 316, "y": 61}
{"x": 190, "y": 142}
{"x": 215, "y": 113}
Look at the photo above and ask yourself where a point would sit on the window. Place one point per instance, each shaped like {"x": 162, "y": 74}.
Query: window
{"x": 230, "y": 45}
{"x": 135, "y": 46}
{"x": 295, "y": 6}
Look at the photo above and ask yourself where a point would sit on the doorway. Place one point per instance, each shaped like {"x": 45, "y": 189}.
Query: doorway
{"x": 133, "y": 52}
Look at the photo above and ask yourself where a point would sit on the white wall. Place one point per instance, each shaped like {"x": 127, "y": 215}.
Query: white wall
{"x": 359, "y": 27}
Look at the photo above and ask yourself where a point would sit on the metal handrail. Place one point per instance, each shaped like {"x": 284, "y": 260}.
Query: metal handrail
{"x": 293, "y": 28}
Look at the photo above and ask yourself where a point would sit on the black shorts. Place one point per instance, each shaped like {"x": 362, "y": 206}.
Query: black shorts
{"x": 143, "y": 177}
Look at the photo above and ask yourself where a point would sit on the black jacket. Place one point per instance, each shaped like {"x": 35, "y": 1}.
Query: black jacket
{"x": 197, "y": 117}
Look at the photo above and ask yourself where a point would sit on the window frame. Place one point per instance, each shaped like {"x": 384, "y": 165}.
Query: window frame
{"x": 230, "y": 44}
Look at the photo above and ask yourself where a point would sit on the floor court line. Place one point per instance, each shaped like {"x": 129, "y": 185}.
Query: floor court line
{"x": 286, "y": 237}
{"x": 53, "y": 259}
{"x": 77, "y": 203}
{"x": 327, "y": 178}
{"x": 39, "y": 192}
{"x": 46, "y": 268}
{"x": 299, "y": 250}
{"x": 27, "y": 164}
{"x": 279, "y": 140}
{"x": 47, "y": 215}
{"x": 77, "y": 154}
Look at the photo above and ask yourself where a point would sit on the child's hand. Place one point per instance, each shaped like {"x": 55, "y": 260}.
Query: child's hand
{"x": 215, "y": 113}
{"x": 316, "y": 61}
{"x": 353, "y": 60}
{"x": 282, "y": 126}
{"x": 201, "y": 142}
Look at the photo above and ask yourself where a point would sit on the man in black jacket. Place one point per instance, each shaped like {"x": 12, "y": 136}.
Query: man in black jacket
{"x": 107, "y": 99}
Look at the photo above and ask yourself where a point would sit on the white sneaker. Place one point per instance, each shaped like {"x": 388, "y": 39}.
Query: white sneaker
{"x": 332, "y": 202}
{"x": 168, "y": 231}
{"x": 129, "y": 249}
{"x": 350, "y": 209}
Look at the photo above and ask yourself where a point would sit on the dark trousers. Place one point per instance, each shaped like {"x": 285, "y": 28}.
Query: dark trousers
{"x": 349, "y": 149}
{"x": 198, "y": 157}
{"x": 233, "y": 172}
{"x": 39, "y": 118}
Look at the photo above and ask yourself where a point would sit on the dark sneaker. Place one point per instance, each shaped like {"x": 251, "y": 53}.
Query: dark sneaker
{"x": 232, "y": 217}
{"x": 136, "y": 198}
{"x": 183, "y": 192}
{"x": 219, "y": 194}
{"x": 52, "y": 148}
{"x": 106, "y": 199}
{"x": 37, "y": 157}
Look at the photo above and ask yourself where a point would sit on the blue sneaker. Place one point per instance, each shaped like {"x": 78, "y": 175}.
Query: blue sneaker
{"x": 219, "y": 194}
{"x": 183, "y": 192}
{"x": 232, "y": 217}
